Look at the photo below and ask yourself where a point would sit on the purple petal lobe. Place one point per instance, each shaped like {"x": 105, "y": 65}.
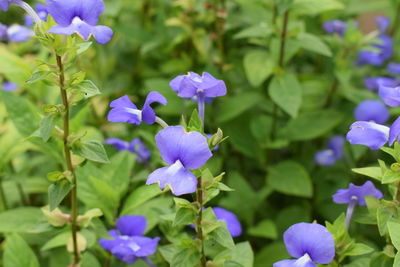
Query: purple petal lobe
{"x": 311, "y": 239}
{"x": 232, "y": 222}
{"x": 390, "y": 95}
{"x": 123, "y": 110}
{"x": 148, "y": 246}
{"x": 325, "y": 157}
{"x": 335, "y": 26}
{"x": 211, "y": 86}
{"x": 393, "y": 68}
{"x": 148, "y": 114}
{"x": 19, "y": 34}
{"x": 117, "y": 143}
{"x": 373, "y": 83}
{"x": 131, "y": 225}
{"x": 394, "y": 131}
{"x": 383, "y": 23}
{"x": 180, "y": 180}
{"x": 344, "y": 196}
{"x": 372, "y": 110}
{"x": 137, "y": 147}
{"x": 294, "y": 263}
{"x": 4, "y": 5}
{"x": 190, "y": 148}
{"x": 368, "y": 134}
{"x": 10, "y": 86}
{"x": 102, "y": 34}
{"x": 62, "y": 11}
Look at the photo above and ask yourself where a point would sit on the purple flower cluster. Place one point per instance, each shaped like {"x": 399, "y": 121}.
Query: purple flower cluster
{"x": 382, "y": 50}
{"x": 310, "y": 244}
{"x": 128, "y": 243}
{"x": 136, "y": 146}
{"x": 329, "y": 156}
{"x": 335, "y": 27}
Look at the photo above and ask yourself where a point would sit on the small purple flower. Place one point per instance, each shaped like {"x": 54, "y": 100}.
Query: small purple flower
{"x": 384, "y": 46}
{"x": 81, "y": 17}
{"x": 119, "y": 144}
{"x": 335, "y": 26}
{"x": 394, "y": 131}
{"x": 373, "y": 83}
{"x": 5, "y": 4}
{"x": 10, "y": 86}
{"x": 344, "y": 196}
{"x": 368, "y": 133}
{"x": 310, "y": 243}
{"x": 355, "y": 195}
{"x": 232, "y": 222}
{"x": 123, "y": 110}
{"x": 372, "y": 110}
{"x": 393, "y": 68}
{"x": 390, "y": 95}
{"x": 19, "y": 34}
{"x": 42, "y": 13}
{"x": 329, "y": 156}
{"x": 182, "y": 151}
{"x": 192, "y": 84}
{"x": 137, "y": 147}
{"x": 128, "y": 243}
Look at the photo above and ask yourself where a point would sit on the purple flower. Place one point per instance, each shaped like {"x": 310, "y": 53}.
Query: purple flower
{"x": 335, "y": 26}
{"x": 232, "y": 222}
{"x": 355, "y": 195}
{"x": 10, "y": 86}
{"x": 137, "y": 147}
{"x": 329, "y": 156}
{"x": 344, "y": 196}
{"x": 123, "y": 110}
{"x": 5, "y": 4}
{"x": 119, "y": 144}
{"x": 368, "y": 133}
{"x": 310, "y": 243}
{"x": 393, "y": 68}
{"x": 42, "y": 13}
{"x": 372, "y": 110}
{"x": 192, "y": 84}
{"x": 390, "y": 95}
{"x": 373, "y": 83}
{"x": 394, "y": 131}
{"x": 384, "y": 46}
{"x": 128, "y": 243}
{"x": 81, "y": 17}
{"x": 19, "y": 34}
{"x": 182, "y": 151}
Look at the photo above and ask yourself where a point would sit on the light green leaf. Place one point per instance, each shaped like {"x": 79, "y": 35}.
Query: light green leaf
{"x": 186, "y": 257}
{"x": 92, "y": 150}
{"x": 57, "y": 241}
{"x": 17, "y": 253}
{"x": 314, "y": 7}
{"x": 258, "y": 66}
{"x": 313, "y": 43}
{"x": 139, "y": 196}
{"x": 265, "y": 228}
{"x": 286, "y": 92}
{"x": 57, "y": 192}
{"x": 236, "y": 105}
{"x": 373, "y": 172}
{"x": 89, "y": 89}
{"x": 289, "y": 177}
{"x": 20, "y": 220}
{"x": 394, "y": 232}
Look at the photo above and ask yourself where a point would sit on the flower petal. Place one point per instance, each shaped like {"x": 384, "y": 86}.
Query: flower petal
{"x": 62, "y": 11}
{"x": 390, "y": 95}
{"x": 211, "y": 86}
{"x": 394, "y": 131}
{"x": 120, "y": 111}
{"x": 102, "y": 34}
{"x": 372, "y": 110}
{"x": 117, "y": 143}
{"x": 312, "y": 239}
{"x": 325, "y": 157}
{"x": 232, "y": 222}
{"x": 131, "y": 225}
{"x": 373, "y": 83}
{"x": 180, "y": 181}
{"x": 368, "y": 133}
{"x": 90, "y": 10}
{"x": 148, "y": 114}
{"x": 344, "y": 196}
{"x": 148, "y": 246}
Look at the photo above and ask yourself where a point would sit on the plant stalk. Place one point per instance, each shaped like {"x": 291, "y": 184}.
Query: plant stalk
{"x": 199, "y": 229}
{"x": 67, "y": 154}
{"x": 3, "y": 195}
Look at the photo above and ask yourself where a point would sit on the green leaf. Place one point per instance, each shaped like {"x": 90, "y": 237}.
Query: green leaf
{"x": 184, "y": 216}
{"x": 222, "y": 236}
{"x": 258, "y": 66}
{"x": 13, "y": 66}
{"x": 55, "y": 176}
{"x": 241, "y": 255}
{"x": 46, "y": 127}
{"x": 290, "y": 178}
{"x": 358, "y": 249}
{"x": 310, "y": 125}
{"x": 313, "y": 43}
{"x": 20, "y": 220}
{"x": 92, "y": 150}
{"x": 89, "y": 260}
{"x": 195, "y": 123}
{"x": 119, "y": 172}
{"x": 38, "y": 75}
{"x": 373, "y": 172}
{"x": 89, "y": 89}
{"x": 394, "y": 232}
{"x": 139, "y": 196}
{"x": 261, "y": 30}
{"x": 57, "y": 241}
{"x": 383, "y": 215}
{"x": 186, "y": 257}
{"x": 390, "y": 177}
{"x": 83, "y": 47}
{"x": 236, "y": 105}
{"x": 17, "y": 253}
{"x": 265, "y": 228}
{"x": 314, "y": 7}
{"x": 286, "y": 92}
{"x": 57, "y": 192}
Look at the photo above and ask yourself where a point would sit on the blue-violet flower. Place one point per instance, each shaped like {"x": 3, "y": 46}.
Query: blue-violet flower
{"x": 390, "y": 95}
{"x": 19, "y": 34}
{"x": 368, "y": 133}
{"x": 335, "y": 26}
{"x": 10, "y": 86}
{"x": 372, "y": 110}
{"x": 329, "y": 156}
{"x": 373, "y": 83}
{"x": 232, "y": 222}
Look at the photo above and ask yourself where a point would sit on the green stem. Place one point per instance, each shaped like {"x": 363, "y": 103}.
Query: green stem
{"x": 3, "y": 195}
{"x": 396, "y": 22}
{"x": 67, "y": 154}
{"x": 199, "y": 229}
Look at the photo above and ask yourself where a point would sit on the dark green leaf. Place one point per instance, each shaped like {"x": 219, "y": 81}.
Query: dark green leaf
{"x": 92, "y": 150}
{"x": 17, "y": 253}
{"x": 258, "y": 66}
{"x": 57, "y": 192}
